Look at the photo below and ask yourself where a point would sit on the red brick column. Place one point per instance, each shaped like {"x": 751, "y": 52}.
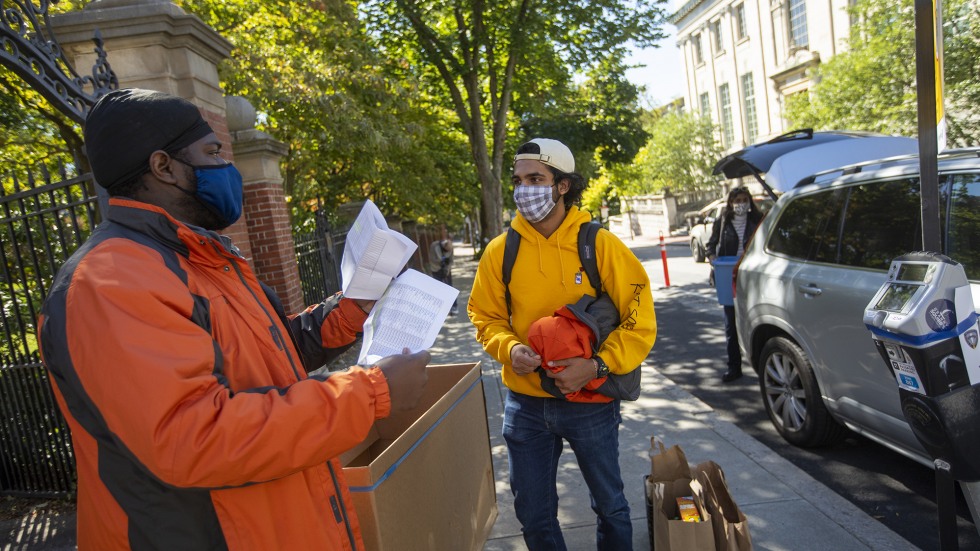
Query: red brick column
{"x": 266, "y": 215}
{"x": 239, "y": 231}
{"x": 271, "y": 238}
{"x": 154, "y": 44}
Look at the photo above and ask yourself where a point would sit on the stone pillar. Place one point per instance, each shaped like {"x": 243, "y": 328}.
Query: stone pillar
{"x": 156, "y": 45}
{"x": 257, "y": 156}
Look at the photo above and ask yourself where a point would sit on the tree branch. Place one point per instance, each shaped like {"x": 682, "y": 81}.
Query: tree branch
{"x": 433, "y": 51}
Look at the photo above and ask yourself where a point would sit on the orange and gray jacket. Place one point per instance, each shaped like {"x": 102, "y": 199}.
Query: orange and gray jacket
{"x": 194, "y": 422}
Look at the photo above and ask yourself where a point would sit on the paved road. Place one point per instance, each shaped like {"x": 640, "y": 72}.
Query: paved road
{"x": 895, "y": 490}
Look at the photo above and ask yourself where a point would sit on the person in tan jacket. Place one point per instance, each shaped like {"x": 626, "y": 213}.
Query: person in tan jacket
{"x": 194, "y": 421}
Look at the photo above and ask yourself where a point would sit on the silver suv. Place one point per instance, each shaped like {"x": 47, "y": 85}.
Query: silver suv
{"x": 809, "y": 271}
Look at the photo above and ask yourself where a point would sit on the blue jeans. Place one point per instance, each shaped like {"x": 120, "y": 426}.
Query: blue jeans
{"x": 534, "y": 429}
{"x": 731, "y": 341}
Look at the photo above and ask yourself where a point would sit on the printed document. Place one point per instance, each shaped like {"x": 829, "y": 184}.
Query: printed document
{"x": 409, "y": 315}
{"x": 373, "y": 255}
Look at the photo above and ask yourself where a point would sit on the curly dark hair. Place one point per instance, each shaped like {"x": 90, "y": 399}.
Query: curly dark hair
{"x": 575, "y": 188}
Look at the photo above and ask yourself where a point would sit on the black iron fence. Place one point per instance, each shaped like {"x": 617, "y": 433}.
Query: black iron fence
{"x": 318, "y": 254}
{"x": 42, "y": 222}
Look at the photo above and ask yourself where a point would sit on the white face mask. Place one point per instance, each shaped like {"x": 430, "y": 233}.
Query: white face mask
{"x": 534, "y": 202}
{"x": 740, "y": 209}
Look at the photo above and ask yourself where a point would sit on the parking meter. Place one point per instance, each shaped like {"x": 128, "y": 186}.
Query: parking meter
{"x": 924, "y": 326}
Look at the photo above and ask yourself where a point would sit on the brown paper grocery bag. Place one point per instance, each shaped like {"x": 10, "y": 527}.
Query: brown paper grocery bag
{"x": 729, "y": 524}
{"x": 667, "y": 463}
{"x": 669, "y": 532}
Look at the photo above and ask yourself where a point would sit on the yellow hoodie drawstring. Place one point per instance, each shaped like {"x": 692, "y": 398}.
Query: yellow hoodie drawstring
{"x": 561, "y": 261}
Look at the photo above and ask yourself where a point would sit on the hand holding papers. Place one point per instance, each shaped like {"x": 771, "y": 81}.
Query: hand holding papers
{"x": 373, "y": 255}
{"x": 409, "y": 315}
{"x": 411, "y": 309}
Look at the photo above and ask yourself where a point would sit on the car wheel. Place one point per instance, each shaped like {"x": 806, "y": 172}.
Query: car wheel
{"x": 792, "y": 397}
{"x": 697, "y": 251}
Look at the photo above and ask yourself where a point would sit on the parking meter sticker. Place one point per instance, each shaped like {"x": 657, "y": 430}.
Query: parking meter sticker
{"x": 941, "y": 315}
{"x": 971, "y": 338}
{"x": 907, "y": 377}
{"x": 909, "y": 383}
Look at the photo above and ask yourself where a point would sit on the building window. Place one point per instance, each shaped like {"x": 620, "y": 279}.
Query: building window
{"x": 727, "y": 130}
{"x": 751, "y": 119}
{"x": 797, "y": 24}
{"x": 741, "y": 32}
{"x": 698, "y": 50}
{"x": 715, "y": 28}
{"x": 705, "y": 105}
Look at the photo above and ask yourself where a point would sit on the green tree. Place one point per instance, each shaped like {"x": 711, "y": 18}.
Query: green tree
{"x": 598, "y": 119}
{"x": 353, "y": 130}
{"x": 476, "y": 54}
{"x": 961, "y": 59}
{"x": 679, "y": 155}
{"x": 872, "y": 86}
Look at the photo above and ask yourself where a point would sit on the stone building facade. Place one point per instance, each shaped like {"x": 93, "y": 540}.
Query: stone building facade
{"x": 743, "y": 58}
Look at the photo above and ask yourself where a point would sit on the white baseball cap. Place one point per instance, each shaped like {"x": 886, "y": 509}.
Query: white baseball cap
{"x": 550, "y": 152}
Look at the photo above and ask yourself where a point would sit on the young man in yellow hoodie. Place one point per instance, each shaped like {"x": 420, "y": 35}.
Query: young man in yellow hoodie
{"x": 547, "y": 274}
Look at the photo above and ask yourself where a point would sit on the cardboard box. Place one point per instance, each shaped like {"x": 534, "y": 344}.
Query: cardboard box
{"x": 423, "y": 479}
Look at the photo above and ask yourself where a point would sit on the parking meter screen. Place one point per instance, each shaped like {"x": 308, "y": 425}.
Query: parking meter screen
{"x": 896, "y": 296}
{"x": 913, "y": 272}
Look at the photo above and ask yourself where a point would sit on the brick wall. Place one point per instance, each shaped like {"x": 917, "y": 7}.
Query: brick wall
{"x": 271, "y": 238}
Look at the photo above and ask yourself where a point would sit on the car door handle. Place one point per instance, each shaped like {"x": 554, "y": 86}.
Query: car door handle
{"x": 810, "y": 289}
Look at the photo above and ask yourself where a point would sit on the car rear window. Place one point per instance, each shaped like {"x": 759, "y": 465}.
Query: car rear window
{"x": 882, "y": 221}
{"x": 808, "y": 227}
{"x": 963, "y": 240}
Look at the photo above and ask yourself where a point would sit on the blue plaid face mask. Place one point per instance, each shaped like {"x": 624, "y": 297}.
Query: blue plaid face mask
{"x": 534, "y": 202}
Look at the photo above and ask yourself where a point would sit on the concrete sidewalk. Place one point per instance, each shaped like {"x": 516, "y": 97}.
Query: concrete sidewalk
{"x": 786, "y": 508}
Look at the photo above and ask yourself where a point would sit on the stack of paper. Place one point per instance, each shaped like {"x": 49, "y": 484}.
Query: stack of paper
{"x": 411, "y": 308}
{"x": 373, "y": 255}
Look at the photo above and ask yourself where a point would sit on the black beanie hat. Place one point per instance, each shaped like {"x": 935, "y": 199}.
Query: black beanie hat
{"x": 125, "y": 127}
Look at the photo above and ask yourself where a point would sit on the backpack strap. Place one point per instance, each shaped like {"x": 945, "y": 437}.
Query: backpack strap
{"x": 510, "y": 255}
{"x": 586, "y": 254}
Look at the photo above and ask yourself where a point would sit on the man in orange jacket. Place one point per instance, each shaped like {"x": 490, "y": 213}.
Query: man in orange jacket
{"x": 194, "y": 422}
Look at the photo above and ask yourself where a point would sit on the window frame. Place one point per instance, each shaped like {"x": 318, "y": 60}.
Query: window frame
{"x": 749, "y": 107}
{"x": 946, "y": 178}
{"x": 797, "y": 28}
{"x": 741, "y": 23}
{"x": 715, "y": 31}
{"x": 725, "y": 112}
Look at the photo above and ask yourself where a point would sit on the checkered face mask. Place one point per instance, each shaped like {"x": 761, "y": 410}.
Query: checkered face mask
{"x": 534, "y": 202}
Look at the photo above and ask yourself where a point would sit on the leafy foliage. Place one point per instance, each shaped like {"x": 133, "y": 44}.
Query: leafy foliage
{"x": 679, "y": 155}
{"x": 478, "y": 58}
{"x": 32, "y": 131}
{"x": 961, "y": 38}
{"x": 599, "y": 119}
{"x": 872, "y": 86}
{"x": 354, "y": 130}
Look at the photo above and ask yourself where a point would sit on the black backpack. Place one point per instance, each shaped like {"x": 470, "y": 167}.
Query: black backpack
{"x": 599, "y": 312}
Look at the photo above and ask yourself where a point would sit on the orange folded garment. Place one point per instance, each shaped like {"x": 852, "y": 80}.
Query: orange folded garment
{"x": 560, "y": 337}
